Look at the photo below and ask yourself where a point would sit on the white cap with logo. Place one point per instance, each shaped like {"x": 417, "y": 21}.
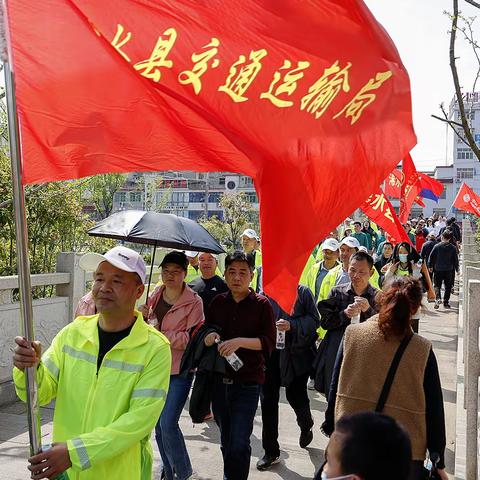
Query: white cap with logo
{"x": 250, "y": 233}
{"x": 351, "y": 242}
{"x": 121, "y": 257}
{"x": 330, "y": 244}
{"x": 191, "y": 253}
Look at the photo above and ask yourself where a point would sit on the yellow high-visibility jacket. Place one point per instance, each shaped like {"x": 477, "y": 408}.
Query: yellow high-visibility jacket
{"x": 191, "y": 274}
{"x": 106, "y": 419}
{"x": 258, "y": 263}
{"x": 331, "y": 278}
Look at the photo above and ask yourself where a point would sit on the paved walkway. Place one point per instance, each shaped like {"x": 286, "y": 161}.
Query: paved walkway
{"x": 203, "y": 440}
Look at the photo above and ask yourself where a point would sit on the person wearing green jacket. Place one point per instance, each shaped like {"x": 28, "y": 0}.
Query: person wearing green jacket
{"x": 251, "y": 244}
{"x": 108, "y": 374}
{"x": 193, "y": 267}
{"x": 318, "y": 271}
{"x": 362, "y": 237}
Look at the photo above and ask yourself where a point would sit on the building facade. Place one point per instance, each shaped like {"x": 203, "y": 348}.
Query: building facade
{"x": 464, "y": 166}
{"x": 186, "y": 194}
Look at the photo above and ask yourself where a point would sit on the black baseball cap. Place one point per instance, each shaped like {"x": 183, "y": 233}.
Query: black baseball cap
{"x": 179, "y": 258}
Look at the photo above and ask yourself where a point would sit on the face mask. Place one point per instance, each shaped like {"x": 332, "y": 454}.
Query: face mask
{"x": 324, "y": 477}
{"x": 403, "y": 257}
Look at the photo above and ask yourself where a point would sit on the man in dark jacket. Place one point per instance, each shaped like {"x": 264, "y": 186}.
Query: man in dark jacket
{"x": 245, "y": 325}
{"x": 428, "y": 246}
{"x": 351, "y": 302}
{"x": 289, "y": 367}
{"x": 443, "y": 261}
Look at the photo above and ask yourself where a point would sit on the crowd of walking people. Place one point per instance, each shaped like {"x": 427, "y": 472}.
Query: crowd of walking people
{"x": 353, "y": 335}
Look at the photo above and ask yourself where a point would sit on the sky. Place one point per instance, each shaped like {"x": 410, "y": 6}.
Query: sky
{"x": 420, "y": 30}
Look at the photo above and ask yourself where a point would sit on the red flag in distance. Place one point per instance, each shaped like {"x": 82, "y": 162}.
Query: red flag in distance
{"x": 467, "y": 200}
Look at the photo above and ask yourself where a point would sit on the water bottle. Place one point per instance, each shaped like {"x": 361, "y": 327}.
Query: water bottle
{"x": 417, "y": 272}
{"x": 355, "y": 319}
{"x": 233, "y": 359}
{"x": 280, "y": 339}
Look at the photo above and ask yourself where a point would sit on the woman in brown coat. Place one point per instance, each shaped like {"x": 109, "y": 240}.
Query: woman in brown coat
{"x": 364, "y": 358}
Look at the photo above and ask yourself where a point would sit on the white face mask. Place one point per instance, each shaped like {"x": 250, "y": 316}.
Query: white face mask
{"x": 344, "y": 477}
{"x": 403, "y": 257}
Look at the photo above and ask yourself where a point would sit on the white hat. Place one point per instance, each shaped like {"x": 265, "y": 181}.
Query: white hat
{"x": 250, "y": 233}
{"x": 123, "y": 258}
{"x": 191, "y": 253}
{"x": 351, "y": 242}
{"x": 362, "y": 249}
{"x": 330, "y": 244}
{"x": 208, "y": 253}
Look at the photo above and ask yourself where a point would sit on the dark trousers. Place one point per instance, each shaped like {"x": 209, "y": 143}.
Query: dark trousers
{"x": 443, "y": 277}
{"x": 234, "y": 407}
{"x": 297, "y": 397}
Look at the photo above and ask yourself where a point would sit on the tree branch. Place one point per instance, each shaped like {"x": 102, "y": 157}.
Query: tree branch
{"x": 472, "y": 2}
{"x": 458, "y": 92}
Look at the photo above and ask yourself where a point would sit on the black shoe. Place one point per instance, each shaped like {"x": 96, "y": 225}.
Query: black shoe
{"x": 306, "y": 438}
{"x": 446, "y": 305}
{"x": 266, "y": 462}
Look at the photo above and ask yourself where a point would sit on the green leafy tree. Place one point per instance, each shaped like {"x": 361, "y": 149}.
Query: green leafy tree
{"x": 239, "y": 215}
{"x": 101, "y": 189}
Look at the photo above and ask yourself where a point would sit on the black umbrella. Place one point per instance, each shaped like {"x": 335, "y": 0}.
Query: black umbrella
{"x": 157, "y": 229}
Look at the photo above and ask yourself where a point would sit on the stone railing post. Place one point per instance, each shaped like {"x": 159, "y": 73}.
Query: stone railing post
{"x": 67, "y": 262}
{"x": 473, "y": 372}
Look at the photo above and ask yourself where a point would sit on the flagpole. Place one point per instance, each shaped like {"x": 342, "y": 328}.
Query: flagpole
{"x": 23, "y": 264}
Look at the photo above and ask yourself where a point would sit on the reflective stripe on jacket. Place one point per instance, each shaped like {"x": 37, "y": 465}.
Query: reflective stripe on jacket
{"x": 106, "y": 418}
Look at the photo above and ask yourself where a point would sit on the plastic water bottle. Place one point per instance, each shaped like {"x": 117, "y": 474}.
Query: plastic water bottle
{"x": 233, "y": 359}
{"x": 280, "y": 339}
{"x": 417, "y": 272}
{"x": 355, "y": 319}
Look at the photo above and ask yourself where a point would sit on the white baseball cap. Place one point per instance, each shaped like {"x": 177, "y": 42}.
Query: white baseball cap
{"x": 208, "y": 253}
{"x": 362, "y": 249}
{"x": 191, "y": 253}
{"x": 121, "y": 257}
{"x": 250, "y": 233}
{"x": 330, "y": 244}
{"x": 351, "y": 242}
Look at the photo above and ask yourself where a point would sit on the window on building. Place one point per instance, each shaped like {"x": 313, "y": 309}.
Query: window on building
{"x": 135, "y": 197}
{"x": 221, "y": 181}
{"x": 252, "y": 197}
{"x": 464, "y": 154}
{"x": 440, "y": 211}
{"x": 214, "y": 197}
{"x": 196, "y": 197}
{"x": 416, "y": 212}
{"x": 443, "y": 195}
{"x": 463, "y": 173}
{"x": 121, "y": 197}
{"x": 246, "y": 181}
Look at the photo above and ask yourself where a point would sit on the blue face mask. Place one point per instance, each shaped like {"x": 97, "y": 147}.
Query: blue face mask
{"x": 403, "y": 257}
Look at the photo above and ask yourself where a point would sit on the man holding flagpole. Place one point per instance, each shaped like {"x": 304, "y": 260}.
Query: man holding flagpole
{"x": 108, "y": 374}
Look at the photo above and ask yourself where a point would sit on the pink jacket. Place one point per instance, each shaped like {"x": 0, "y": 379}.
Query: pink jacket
{"x": 86, "y": 306}
{"x": 179, "y": 321}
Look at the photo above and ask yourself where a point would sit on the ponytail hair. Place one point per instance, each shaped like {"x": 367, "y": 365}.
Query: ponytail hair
{"x": 400, "y": 300}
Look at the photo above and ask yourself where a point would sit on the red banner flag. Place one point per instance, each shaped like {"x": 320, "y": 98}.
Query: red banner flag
{"x": 410, "y": 188}
{"x": 122, "y": 85}
{"x": 378, "y": 209}
{"x": 467, "y": 200}
{"x": 393, "y": 184}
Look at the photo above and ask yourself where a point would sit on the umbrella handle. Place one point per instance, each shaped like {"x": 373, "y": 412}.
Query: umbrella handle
{"x": 151, "y": 271}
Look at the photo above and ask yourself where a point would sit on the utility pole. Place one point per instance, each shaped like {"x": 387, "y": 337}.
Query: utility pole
{"x": 207, "y": 191}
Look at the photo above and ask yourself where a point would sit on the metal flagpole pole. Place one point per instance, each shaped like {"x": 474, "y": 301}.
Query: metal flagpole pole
{"x": 23, "y": 264}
